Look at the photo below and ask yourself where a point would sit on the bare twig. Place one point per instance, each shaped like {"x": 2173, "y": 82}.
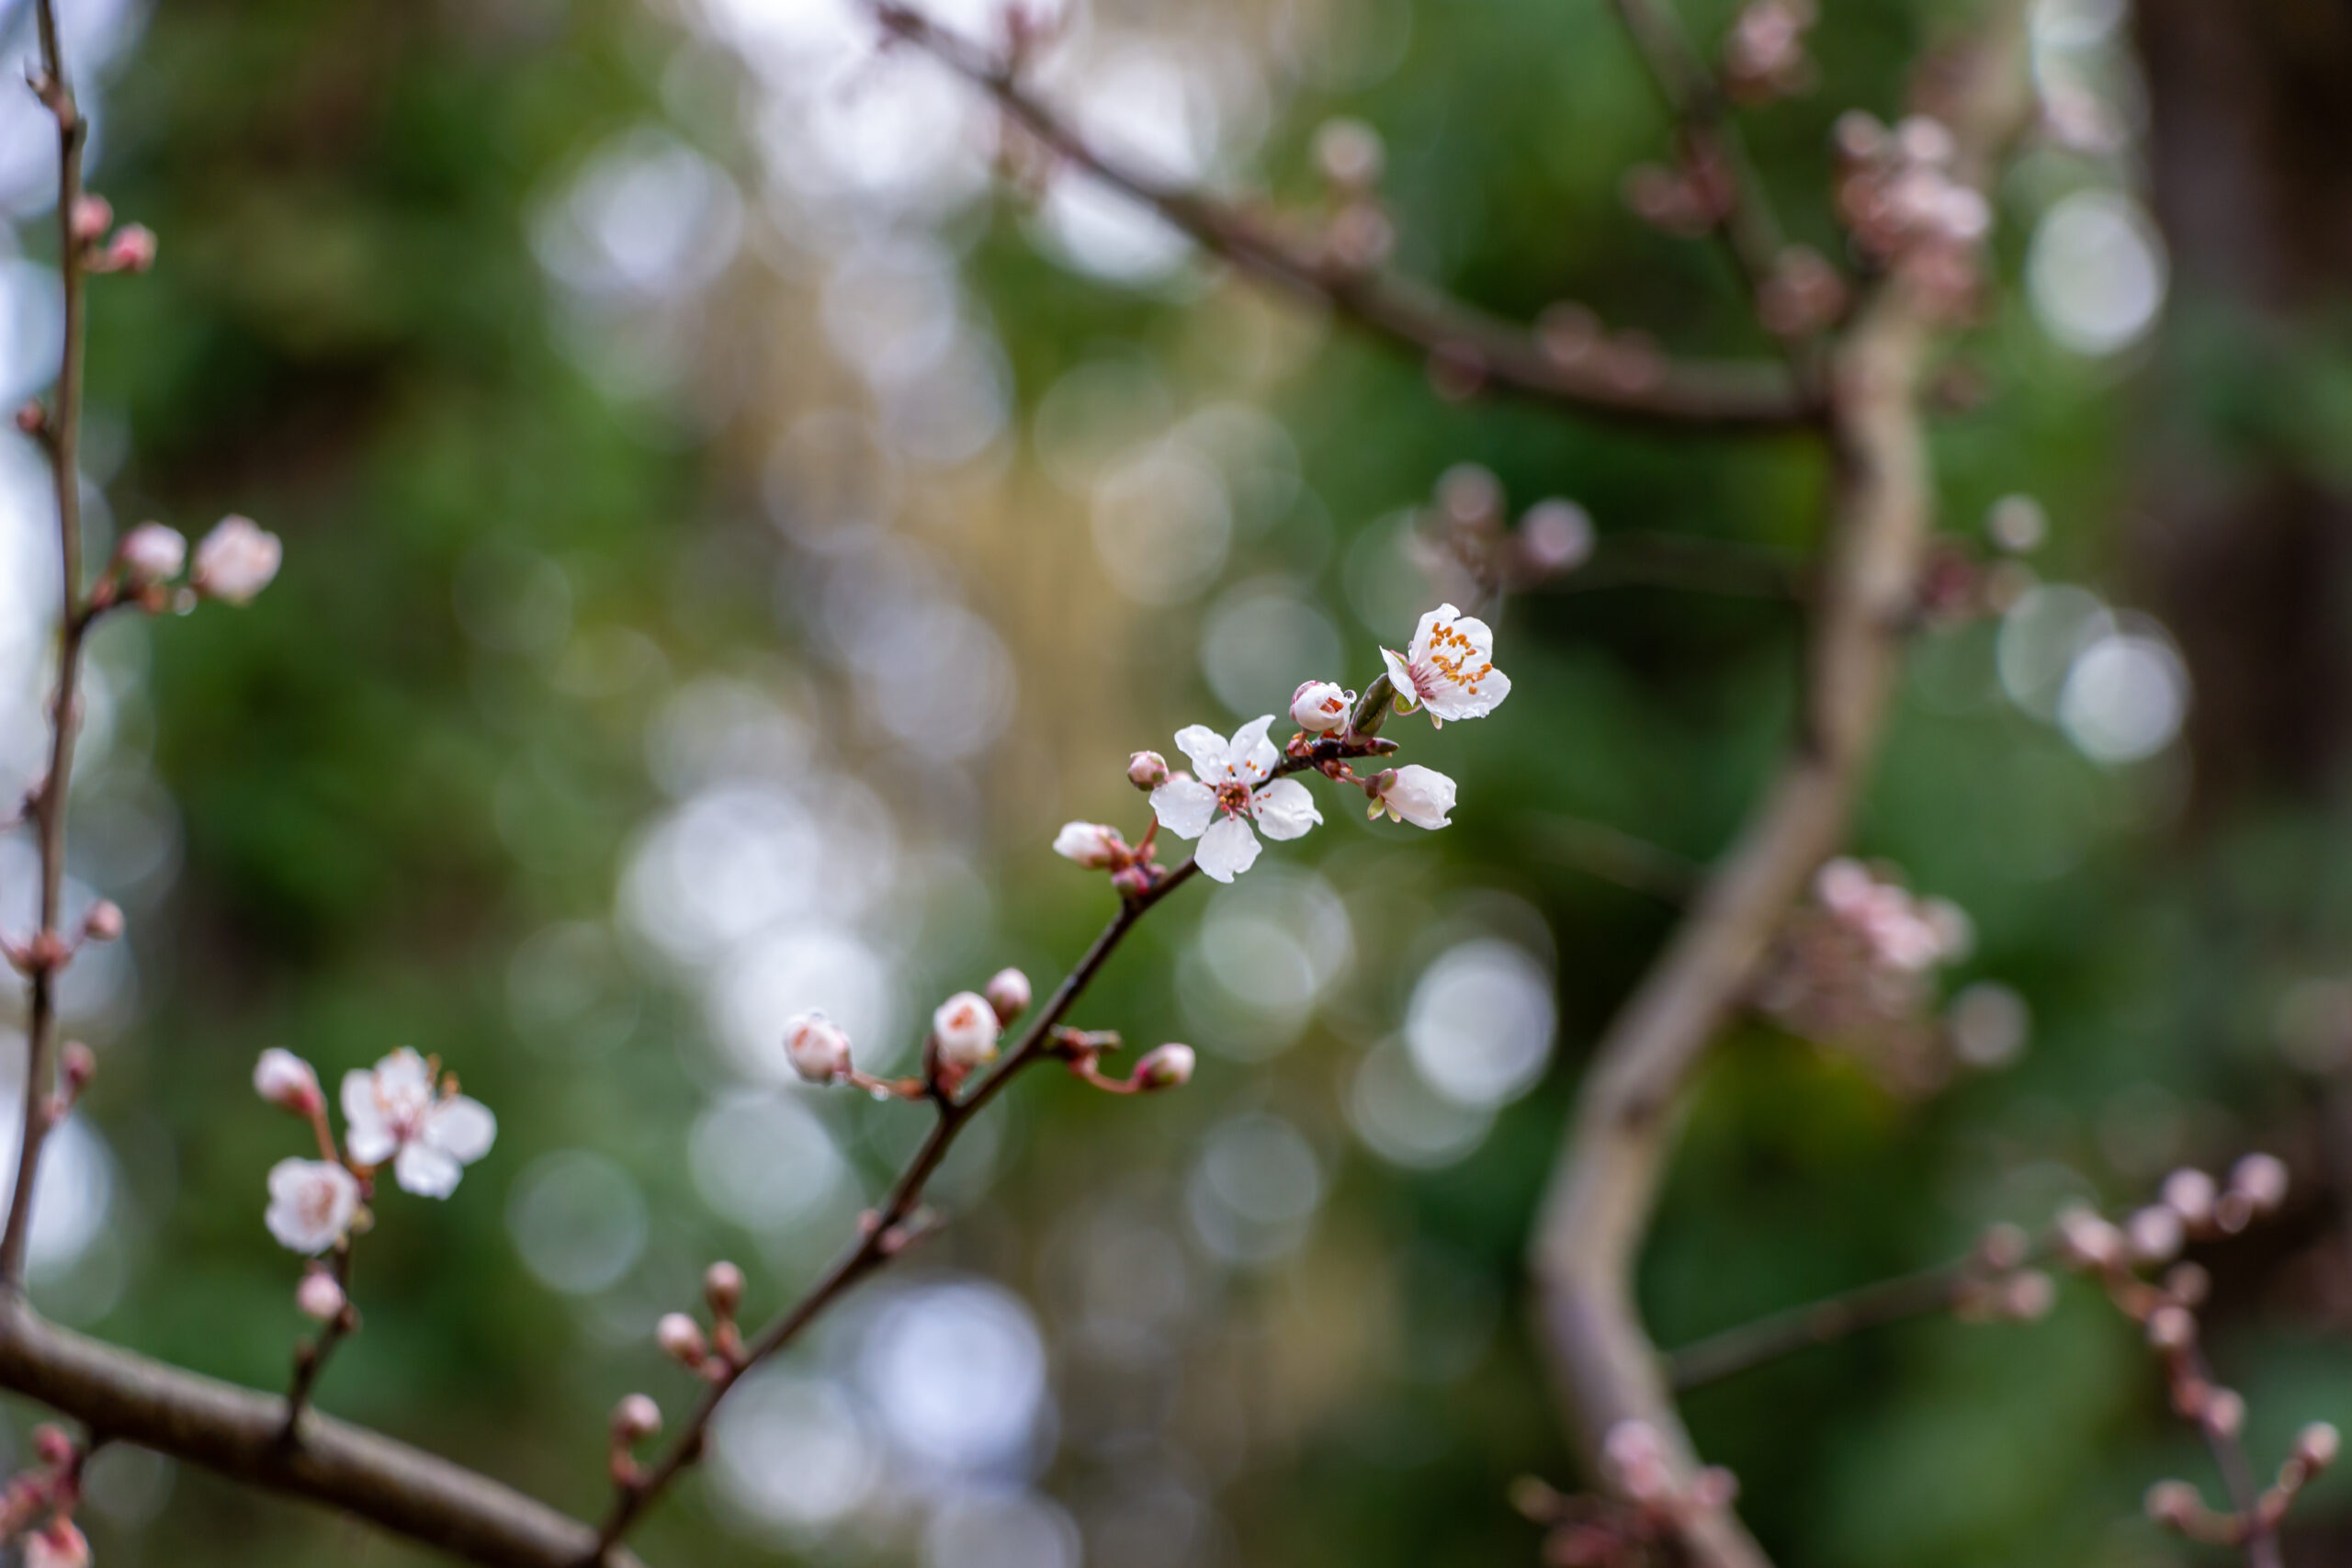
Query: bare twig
{"x": 62, "y": 437}
{"x": 1614, "y": 855}
{"x": 1684, "y": 562}
{"x": 1735, "y": 1350}
{"x": 1686, "y": 393}
{"x": 1589, "y": 1234}
{"x": 311, "y": 1358}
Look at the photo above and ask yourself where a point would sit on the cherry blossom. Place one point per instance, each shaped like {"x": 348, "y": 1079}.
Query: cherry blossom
{"x": 395, "y": 1113}
{"x": 1091, "y": 844}
{"x": 1146, "y": 770}
{"x": 318, "y": 1296}
{"x": 311, "y": 1203}
{"x": 966, "y": 1027}
{"x": 818, "y": 1047}
{"x": 288, "y": 1082}
{"x": 1008, "y": 992}
{"x": 1413, "y": 794}
{"x": 1320, "y": 707}
{"x": 1450, "y": 668}
{"x": 236, "y": 561}
{"x": 1232, "y": 792}
{"x": 150, "y": 553}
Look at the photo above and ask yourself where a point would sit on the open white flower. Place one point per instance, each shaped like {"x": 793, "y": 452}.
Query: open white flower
{"x": 311, "y": 1203}
{"x": 1450, "y": 669}
{"x": 236, "y": 561}
{"x": 1417, "y": 794}
{"x": 1232, "y": 792}
{"x": 397, "y": 1113}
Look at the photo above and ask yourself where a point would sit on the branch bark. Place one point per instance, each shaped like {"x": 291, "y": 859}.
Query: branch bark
{"x": 241, "y": 1434}
{"x": 1686, "y": 394}
{"x": 1605, "y": 1181}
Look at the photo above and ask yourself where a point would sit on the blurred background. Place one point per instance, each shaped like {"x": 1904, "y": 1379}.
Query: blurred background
{"x": 728, "y": 531}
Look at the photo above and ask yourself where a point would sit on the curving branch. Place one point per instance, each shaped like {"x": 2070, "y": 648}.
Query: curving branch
{"x": 1603, "y": 1186}
{"x": 241, "y": 1434}
{"x": 1682, "y": 393}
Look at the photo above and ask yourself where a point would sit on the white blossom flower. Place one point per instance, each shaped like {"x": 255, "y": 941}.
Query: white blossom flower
{"x": 397, "y": 1113}
{"x": 1320, "y": 707}
{"x": 287, "y": 1081}
{"x": 1450, "y": 669}
{"x": 1420, "y": 795}
{"x": 150, "y": 553}
{"x": 1231, "y": 793}
{"x": 311, "y": 1202}
{"x": 818, "y": 1046}
{"x": 966, "y": 1029}
{"x": 236, "y": 561}
{"x": 1091, "y": 844}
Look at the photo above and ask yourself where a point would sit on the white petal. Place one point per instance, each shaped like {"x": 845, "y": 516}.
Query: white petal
{"x": 1400, "y": 681}
{"x": 1252, "y": 753}
{"x": 426, "y": 1171}
{"x": 1228, "y": 849}
{"x": 403, "y": 1072}
{"x": 1184, "y": 807}
{"x": 364, "y": 1137}
{"x": 1450, "y": 701}
{"x": 1422, "y": 796}
{"x": 1205, "y": 749}
{"x": 1481, "y": 635}
{"x": 462, "y": 1128}
{"x": 1286, "y": 809}
{"x": 1442, "y": 614}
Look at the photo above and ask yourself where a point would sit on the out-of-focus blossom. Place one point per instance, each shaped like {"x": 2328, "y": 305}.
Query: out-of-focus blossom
{"x": 1008, "y": 992}
{"x": 1320, "y": 707}
{"x": 1091, "y": 844}
{"x": 150, "y": 553}
{"x": 311, "y": 1203}
{"x": 1764, "y": 56}
{"x": 1146, "y": 770}
{"x": 1231, "y": 793}
{"x": 318, "y": 1296}
{"x": 681, "y": 1339}
{"x": 236, "y": 561}
{"x": 288, "y": 1082}
{"x": 966, "y": 1029}
{"x": 57, "y": 1544}
{"x": 1422, "y": 796}
{"x": 1448, "y": 669}
{"x": 429, "y": 1132}
{"x": 635, "y": 1419}
{"x": 819, "y": 1047}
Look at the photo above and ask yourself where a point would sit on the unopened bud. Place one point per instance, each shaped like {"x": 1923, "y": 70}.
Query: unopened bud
{"x": 2171, "y": 1329}
{"x": 1008, "y": 993}
{"x": 2261, "y": 1179}
{"x": 319, "y": 1296}
{"x": 236, "y": 559}
{"x": 2188, "y": 1283}
{"x": 2028, "y": 1296}
{"x": 2174, "y": 1504}
{"x": 2224, "y": 1412}
{"x": 31, "y": 418}
{"x": 2086, "y": 1240}
{"x": 1165, "y": 1066}
{"x": 76, "y": 1064}
{"x": 1556, "y": 535}
{"x": 93, "y": 216}
{"x": 2189, "y": 1192}
{"x": 1131, "y": 881}
{"x": 104, "y": 922}
{"x": 132, "y": 249}
{"x": 1092, "y": 845}
{"x": 681, "y": 1339}
{"x": 1146, "y": 770}
{"x": 1350, "y": 153}
{"x": 2154, "y": 1234}
{"x": 2003, "y": 1246}
{"x": 57, "y": 1544}
{"x": 2317, "y": 1445}
{"x": 634, "y": 1418}
{"x": 1714, "y": 1489}
{"x": 1320, "y": 707}
{"x": 817, "y": 1047}
{"x": 52, "y": 1444}
{"x": 287, "y": 1081}
{"x": 722, "y": 1287}
{"x": 149, "y": 554}
{"x": 966, "y": 1029}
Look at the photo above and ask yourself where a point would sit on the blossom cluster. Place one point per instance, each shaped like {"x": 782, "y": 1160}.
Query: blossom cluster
{"x": 403, "y": 1112}
{"x": 1906, "y": 208}
{"x": 235, "y": 562}
{"x": 1764, "y": 55}
{"x": 1644, "y": 1515}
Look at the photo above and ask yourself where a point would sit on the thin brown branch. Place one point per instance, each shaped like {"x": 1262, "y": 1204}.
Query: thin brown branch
{"x": 311, "y": 1358}
{"x": 236, "y": 1432}
{"x": 62, "y": 433}
{"x": 1616, "y": 856}
{"x": 1735, "y": 1350}
{"x": 1685, "y": 393}
{"x": 1688, "y": 564}
{"x": 1589, "y": 1234}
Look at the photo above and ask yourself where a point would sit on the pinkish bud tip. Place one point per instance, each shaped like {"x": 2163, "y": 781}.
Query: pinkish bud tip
{"x": 2317, "y": 1445}
{"x": 104, "y": 922}
{"x": 319, "y": 1296}
{"x": 2173, "y": 1504}
{"x": 288, "y": 1082}
{"x": 52, "y": 1444}
{"x": 93, "y": 216}
{"x": 634, "y": 1418}
{"x": 77, "y": 1064}
{"x": 1008, "y": 993}
{"x": 722, "y": 1287}
{"x": 132, "y": 249}
{"x": 681, "y": 1339}
{"x": 2261, "y": 1179}
{"x": 1167, "y": 1066}
{"x": 1146, "y": 770}
{"x": 31, "y": 418}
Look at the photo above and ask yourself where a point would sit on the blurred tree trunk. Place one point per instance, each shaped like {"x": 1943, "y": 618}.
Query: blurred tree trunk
{"x": 2246, "y": 539}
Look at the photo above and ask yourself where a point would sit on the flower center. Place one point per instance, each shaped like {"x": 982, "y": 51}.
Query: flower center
{"x": 1235, "y": 798}
{"x": 1449, "y": 655}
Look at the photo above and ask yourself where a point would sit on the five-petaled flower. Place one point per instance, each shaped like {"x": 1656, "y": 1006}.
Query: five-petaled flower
{"x": 1236, "y": 787}
{"x": 311, "y": 1203}
{"x": 1413, "y": 794}
{"x": 397, "y": 1112}
{"x": 1450, "y": 668}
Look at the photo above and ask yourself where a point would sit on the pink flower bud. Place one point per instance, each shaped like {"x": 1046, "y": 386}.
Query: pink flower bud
{"x": 1422, "y": 796}
{"x": 31, "y": 418}
{"x": 1091, "y": 844}
{"x": 2171, "y": 1329}
{"x": 2155, "y": 1235}
{"x": 132, "y": 249}
{"x": 2317, "y": 1446}
{"x": 1165, "y": 1066}
{"x": 1320, "y": 707}
{"x": 2225, "y": 1412}
{"x": 818, "y": 1047}
{"x": 1348, "y": 153}
{"x": 1555, "y": 537}
{"x": 2173, "y": 1504}
{"x": 1146, "y": 770}
{"x": 681, "y": 1339}
{"x": 150, "y": 553}
{"x": 2261, "y": 1179}
{"x": 1131, "y": 881}
{"x": 2003, "y": 1246}
{"x": 93, "y": 216}
{"x": 2086, "y": 1240}
{"x": 236, "y": 561}
{"x": 634, "y": 1418}
{"x": 104, "y": 922}
{"x": 53, "y": 1446}
{"x": 2188, "y": 1283}
{"x": 319, "y": 1296}
{"x": 722, "y": 1287}
{"x": 1008, "y": 993}
{"x": 57, "y": 1544}
{"x": 966, "y": 1029}
{"x": 2028, "y": 1296}
{"x": 2190, "y": 1192}
{"x": 76, "y": 1064}
{"x": 287, "y": 1081}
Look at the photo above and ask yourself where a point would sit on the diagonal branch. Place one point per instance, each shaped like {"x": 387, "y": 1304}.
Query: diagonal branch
{"x": 1684, "y": 393}
{"x": 1588, "y": 1237}
{"x": 240, "y": 1433}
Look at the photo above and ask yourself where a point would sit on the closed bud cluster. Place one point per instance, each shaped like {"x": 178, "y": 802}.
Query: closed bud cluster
{"x": 1898, "y": 194}
{"x": 1857, "y": 967}
{"x": 1008, "y": 993}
